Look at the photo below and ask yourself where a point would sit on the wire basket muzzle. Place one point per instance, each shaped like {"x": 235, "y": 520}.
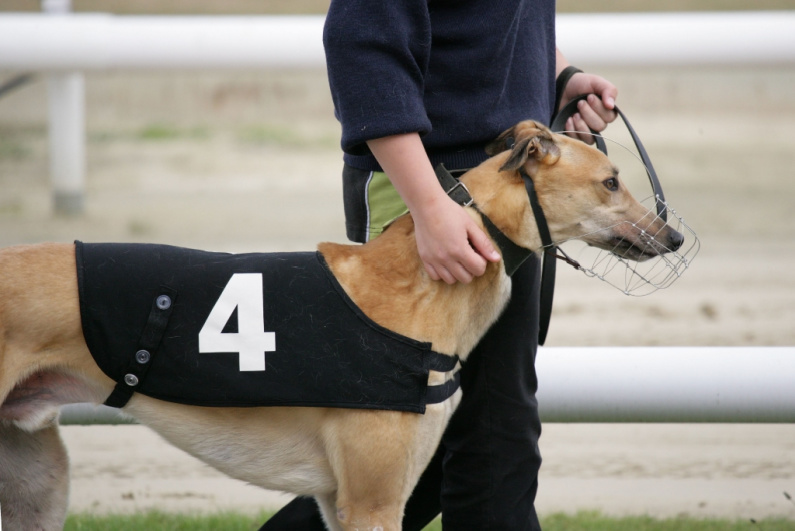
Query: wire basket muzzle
{"x": 663, "y": 259}
{"x": 652, "y": 260}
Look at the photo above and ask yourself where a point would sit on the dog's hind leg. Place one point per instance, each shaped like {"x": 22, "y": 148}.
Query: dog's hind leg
{"x": 34, "y": 478}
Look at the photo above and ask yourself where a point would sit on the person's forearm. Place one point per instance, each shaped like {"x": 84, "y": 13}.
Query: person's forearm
{"x": 560, "y": 62}
{"x": 404, "y": 160}
{"x": 450, "y": 244}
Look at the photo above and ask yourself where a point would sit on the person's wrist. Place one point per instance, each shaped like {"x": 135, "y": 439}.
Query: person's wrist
{"x": 427, "y": 207}
{"x": 425, "y": 195}
{"x": 560, "y": 84}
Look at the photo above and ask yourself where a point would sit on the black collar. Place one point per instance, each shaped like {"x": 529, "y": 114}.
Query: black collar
{"x": 551, "y": 252}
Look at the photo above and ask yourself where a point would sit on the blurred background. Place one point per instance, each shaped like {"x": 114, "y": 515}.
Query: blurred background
{"x": 250, "y": 161}
{"x": 306, "y": 7}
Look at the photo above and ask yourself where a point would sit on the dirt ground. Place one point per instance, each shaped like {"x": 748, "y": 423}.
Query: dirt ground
{"x": 242, "y": 161}
{"x": 662, "y": 470}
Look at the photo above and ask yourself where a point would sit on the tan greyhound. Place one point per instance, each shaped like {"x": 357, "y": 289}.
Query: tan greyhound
{"x": 361, "y": 465}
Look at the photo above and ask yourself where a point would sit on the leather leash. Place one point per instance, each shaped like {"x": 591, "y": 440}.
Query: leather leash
{"x": 559, "y": 125}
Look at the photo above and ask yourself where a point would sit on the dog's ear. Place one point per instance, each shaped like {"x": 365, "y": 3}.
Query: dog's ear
{"x": 525, "y": 140}
{"x": 503, "y": 142}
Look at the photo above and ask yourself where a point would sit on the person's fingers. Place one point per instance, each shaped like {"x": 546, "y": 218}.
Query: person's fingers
{"x": 593, "y": 120}
{"x": 439, "y": 272}
{"x": 445, "y": 275}
{"x": 446, "y": 265}
{"x": 578, "y": 129}
{"x": 469, "y": 267}
{"x": 569, "y": 128}
{"x": 466, "y": 264}
{"x": 431, "y": 270}
{"x": 605, "y": 113}
{"x": 483, "y": 246}
{"x": 607, "y": 93}
{"x": 461, "y": 274}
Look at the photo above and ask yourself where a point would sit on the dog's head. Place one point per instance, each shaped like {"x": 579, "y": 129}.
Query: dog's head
{"x": 582, "y": 194}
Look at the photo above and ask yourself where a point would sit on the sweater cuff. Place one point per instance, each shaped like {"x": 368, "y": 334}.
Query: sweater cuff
{"x": 560, "y": 85}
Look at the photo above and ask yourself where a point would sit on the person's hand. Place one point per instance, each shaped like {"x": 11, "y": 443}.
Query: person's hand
{"x": 452, "y": 247}
{"x": 596, "y": 111}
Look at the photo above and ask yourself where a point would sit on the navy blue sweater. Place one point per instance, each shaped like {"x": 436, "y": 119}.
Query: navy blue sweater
{"x": 459, "y": 72}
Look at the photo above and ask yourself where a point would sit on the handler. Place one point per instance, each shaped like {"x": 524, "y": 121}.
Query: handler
{"x": 416, "y": 83}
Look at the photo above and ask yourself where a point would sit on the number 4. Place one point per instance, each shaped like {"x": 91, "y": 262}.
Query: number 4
{"x": 244, "y": 292}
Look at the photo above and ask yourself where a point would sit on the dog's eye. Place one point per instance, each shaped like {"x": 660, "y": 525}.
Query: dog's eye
{"x": 611, "y": 184}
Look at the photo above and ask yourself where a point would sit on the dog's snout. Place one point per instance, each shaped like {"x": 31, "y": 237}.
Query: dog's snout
{"x": 675, "y": 240}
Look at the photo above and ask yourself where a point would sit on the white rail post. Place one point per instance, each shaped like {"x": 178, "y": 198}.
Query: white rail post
{"x": 666, "y": 384}
{"x": 66, "y": 102}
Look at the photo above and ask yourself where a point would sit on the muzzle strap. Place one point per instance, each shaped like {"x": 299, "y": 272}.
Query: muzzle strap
{"x": 548, "y": 261}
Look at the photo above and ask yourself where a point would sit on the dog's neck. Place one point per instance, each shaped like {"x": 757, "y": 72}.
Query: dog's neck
{"x": 387, "y": 277}
{"x": 513, "y": 255}
{"x": 503, "y": 198}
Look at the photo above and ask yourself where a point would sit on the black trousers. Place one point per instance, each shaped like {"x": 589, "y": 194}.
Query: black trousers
{"x": 484, "y": 475}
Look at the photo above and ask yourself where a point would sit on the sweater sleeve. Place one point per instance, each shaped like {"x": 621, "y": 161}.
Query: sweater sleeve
{"x": 377, "y": 55}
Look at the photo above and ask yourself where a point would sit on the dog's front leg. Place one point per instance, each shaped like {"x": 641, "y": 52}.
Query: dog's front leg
{"x": 360, "y": 511}
{"x": 328, "y": 508}
{"x": 372, "y": 454}
{"x": 34, "y": 478}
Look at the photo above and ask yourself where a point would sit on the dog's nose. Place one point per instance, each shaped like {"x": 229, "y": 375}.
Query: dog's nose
{"x": 675, "y": 240}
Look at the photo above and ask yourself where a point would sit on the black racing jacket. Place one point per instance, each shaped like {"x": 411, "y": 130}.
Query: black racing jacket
{"x": 238, "y": 330}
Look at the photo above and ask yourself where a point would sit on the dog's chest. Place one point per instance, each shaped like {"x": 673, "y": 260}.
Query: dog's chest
{"x": 216, "y": 329}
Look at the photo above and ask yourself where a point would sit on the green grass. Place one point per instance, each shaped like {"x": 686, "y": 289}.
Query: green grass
{"x": 167, "y": 132}
{"x": 591, "y": 521}
{"x": 259, "y": 135}
{"x": 12, "y": 149}
{"x": 278, "y": 135}
{"x": 160, "y": 521}
{"x": 264, "y": 134}
{"x": 150, "y": 133}
{"x": 584, "y": 521}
